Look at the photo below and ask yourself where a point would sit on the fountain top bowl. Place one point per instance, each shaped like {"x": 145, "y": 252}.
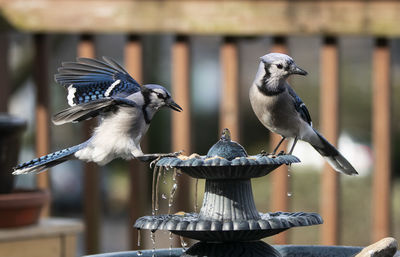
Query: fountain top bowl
{"x": 226, "y": 159}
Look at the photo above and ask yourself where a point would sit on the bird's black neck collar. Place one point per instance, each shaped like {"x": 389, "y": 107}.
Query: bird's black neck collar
{"x": 146, "y": 98}
{"x": 265, "y": 88}
{"x": 270, "y": 91}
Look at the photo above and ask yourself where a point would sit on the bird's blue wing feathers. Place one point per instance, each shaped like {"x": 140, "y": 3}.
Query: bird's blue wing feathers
{"x": 300, "y": 106}
{"x": 89, "y": 79}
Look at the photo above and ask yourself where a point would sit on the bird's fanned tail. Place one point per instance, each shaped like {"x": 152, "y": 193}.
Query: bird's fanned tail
{"x": 40, "y": 164}
{"x": 333, "y": 156}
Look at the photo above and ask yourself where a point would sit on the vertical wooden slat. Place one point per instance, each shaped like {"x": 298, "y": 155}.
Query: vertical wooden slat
{"x": 42, "y": 109}
{"x": 92, "y": 208}
{"x": 137, "y": 170}
{"x": 181, "y": 136}
{"x": 279, "y": 178}
{"x": 329, "y": 127}
{"x": 229, "y": 108}
{"x": 4, "y": 72}
{"x": 381, "y": 140}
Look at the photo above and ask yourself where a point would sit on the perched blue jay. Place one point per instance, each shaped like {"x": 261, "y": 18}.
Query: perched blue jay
{"x": 105, "y": 89}
{"x": 280, "y": 110}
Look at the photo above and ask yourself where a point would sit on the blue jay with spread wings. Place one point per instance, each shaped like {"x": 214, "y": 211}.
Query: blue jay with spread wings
{"x": 105, "y": 89}
{"x": 282, "y": 111}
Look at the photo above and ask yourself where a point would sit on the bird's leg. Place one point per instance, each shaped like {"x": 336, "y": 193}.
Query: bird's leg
{"x": 279, "y": 144}
{"x": 294, "y": 144}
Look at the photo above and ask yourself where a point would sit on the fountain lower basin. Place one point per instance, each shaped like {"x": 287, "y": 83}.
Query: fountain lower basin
{"x": 191, "y": 225}
{"x": 283, "y": 250}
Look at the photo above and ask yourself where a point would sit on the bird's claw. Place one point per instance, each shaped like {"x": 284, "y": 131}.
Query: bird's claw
{"x": 264, "y": 153}
{"x": 272, "y": 155}
{"x": 174, "y": 154}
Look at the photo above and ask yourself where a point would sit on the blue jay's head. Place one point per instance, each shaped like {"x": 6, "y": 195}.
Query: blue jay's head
{"x": 277, "y": 66}
{"x": 157, "y": 97}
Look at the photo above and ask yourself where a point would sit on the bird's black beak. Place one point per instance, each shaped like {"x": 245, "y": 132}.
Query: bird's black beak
{"x": 174, "y": 106}
{"x": 298, "y": 70}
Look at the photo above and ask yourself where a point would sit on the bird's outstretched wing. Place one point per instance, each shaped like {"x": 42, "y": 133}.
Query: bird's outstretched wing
{"x": 86, "y": 111}
{"x": 300, "y": 106}
{"x": 90, "y": 79}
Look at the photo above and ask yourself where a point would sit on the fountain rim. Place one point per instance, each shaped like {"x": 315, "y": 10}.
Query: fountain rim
{"x": 206, "y": 161}
{"x": 192, "y": 222}
{"x": 203, "y": 167}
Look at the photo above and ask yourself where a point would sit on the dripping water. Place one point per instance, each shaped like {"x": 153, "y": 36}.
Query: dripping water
{"x": 156, "y": 206}
{"x": 183, "y": 244}
{"x": 139, "y": 253}
{"x": 139, "y": 238}
{"x": 195, "y": 194}
{"x": 173, "y": 191}
{"x": 165, "y": 175}
{"x": 153, "y": 242}
{"x": 289, "y": 192}
{"x": 153, "y": 206}
{"x": 170, "y": 237}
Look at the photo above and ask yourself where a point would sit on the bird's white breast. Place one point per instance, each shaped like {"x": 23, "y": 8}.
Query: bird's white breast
{"x": 118, "y": 135}
{"x": 275, "y": 113}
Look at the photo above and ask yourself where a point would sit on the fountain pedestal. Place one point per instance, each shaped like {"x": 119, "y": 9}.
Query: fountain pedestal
{"x": 228, "y": 200}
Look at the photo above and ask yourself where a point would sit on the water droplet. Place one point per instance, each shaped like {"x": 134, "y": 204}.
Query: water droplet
{"x": 164, "y": 176}
{"x": 153, "y": 241}
{"x": 195, "y": 194}
{"x": 163, "y": 196}
{"x": 156, "y": 207}
{"x": 172, "y": 192}
{"x": 139, "y": 253}
{"x": 289, "y": 174}
{"x": 170, "y": 242}
{"x": 153, "y": 192}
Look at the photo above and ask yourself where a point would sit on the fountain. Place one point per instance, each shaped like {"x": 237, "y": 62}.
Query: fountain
{"x": 228, "y": 223}
{"x": 228, "y": 218}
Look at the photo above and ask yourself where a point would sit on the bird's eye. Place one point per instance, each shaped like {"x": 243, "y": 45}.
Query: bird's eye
{"x": 279, "y": 66}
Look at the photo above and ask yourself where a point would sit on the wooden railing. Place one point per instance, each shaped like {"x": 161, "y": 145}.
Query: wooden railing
{"x": 230, "y": 19}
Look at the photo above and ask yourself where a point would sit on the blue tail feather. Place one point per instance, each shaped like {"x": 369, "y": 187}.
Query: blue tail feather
{"x": 39, "y": 164}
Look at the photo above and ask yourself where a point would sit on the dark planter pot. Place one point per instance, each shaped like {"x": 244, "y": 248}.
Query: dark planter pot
{"x": 11, "y": 129}
{"x": 22, "y": 207}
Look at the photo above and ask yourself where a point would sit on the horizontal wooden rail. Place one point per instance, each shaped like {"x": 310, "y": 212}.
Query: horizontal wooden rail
{"x": 230, "y": 17}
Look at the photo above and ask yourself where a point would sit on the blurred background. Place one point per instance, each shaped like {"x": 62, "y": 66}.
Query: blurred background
{"x": 207, "y": 54}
